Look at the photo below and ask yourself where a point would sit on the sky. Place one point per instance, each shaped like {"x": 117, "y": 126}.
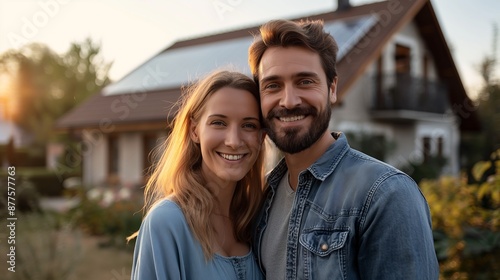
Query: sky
{"x": 132, "y": 31}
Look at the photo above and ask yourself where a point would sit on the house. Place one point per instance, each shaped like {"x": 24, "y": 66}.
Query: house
{"x": 11, "y": 135}
{"x": 397, "y": 83}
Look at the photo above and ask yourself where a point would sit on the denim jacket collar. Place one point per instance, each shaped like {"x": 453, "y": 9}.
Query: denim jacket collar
{"x": 321, "y": 168}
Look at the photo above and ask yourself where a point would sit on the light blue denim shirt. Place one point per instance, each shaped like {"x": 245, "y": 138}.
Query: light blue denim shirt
{"x": 354, "y": 217}
{"x": 167, "y": 249}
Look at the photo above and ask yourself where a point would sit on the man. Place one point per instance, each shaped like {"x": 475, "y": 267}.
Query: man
{"x": 330, "y": 212}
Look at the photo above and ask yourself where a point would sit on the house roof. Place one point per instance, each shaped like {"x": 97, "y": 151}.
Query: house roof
{"x": 361, "y": 33}
{"x": 138, "y": 110}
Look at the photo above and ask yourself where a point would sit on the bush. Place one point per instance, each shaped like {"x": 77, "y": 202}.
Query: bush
{"x": 430, "y": 169}
{"x": 46, "y": 182}
{"x": 466, "y": 222}
{"x": 375, "y": 145}
{"x": 115, "y": 218}
{"x": 27, "y": 199}
{"x": 23, "y": 157}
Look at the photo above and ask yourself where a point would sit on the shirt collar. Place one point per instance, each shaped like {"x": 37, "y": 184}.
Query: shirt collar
{"x": 322, "y": 167}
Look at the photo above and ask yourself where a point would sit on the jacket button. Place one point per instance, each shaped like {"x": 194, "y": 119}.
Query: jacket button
{"x": 324, "y": 247}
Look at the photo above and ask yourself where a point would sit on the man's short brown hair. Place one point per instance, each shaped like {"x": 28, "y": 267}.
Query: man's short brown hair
{"x": 286, "y": 33}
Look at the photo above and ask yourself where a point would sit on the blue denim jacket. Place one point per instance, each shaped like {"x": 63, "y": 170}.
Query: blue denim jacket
{"x": 354, "y": 217}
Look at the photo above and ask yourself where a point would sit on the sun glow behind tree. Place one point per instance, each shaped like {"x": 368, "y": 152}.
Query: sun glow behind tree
{"x": 42, "y": 85}
{"x": 8, "y": 105}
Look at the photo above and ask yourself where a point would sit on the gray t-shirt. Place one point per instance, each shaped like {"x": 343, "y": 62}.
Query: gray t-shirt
{"x": 273, "y": 244}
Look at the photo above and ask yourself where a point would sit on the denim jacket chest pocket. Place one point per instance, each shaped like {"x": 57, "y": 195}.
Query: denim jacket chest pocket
{"x": 322, "y": 242}
{"x": 323, "y": 253}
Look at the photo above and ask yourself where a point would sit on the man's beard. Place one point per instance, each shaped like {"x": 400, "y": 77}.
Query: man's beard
{"x": 292, "y": 142}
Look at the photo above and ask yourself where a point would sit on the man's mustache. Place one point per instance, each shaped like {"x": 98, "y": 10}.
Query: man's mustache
{"x": 284, "y": 112}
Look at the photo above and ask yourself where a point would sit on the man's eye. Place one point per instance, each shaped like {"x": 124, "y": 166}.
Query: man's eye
{"x": 271, "y": 86}
{"x": 306, "y": 82}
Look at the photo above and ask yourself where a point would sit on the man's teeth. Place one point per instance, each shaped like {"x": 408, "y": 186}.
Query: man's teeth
{"x": 231, "y": 157}
{"x": 292, "y": 119}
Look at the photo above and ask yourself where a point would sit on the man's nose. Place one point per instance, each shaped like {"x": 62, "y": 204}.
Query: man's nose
{"x": 289, "y": 98}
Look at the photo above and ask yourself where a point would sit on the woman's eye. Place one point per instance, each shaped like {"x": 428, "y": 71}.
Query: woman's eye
{"x": 250, "y": 125}
{"x": 217, "y": 123}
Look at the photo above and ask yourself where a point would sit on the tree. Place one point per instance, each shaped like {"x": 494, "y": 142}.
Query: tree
{"x": 474, "y": 146}
{"x": 45, "y": 85}
{"x": 489, "y": 107}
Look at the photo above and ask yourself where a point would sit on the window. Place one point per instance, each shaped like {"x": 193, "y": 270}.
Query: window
{"x": 402, "y": 60}
{"x": 426, "y": 149}
{"x": 432, "y": 148}
{"x": 113, "y": 154}
{"x": 440, "y": 147}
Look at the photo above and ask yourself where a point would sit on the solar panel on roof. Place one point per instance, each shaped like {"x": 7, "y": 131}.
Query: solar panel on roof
{"x": 177, "y": 67}
{"x": 349, "y": 32}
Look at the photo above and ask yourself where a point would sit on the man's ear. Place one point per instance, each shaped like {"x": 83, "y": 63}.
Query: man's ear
{"x": 193, "y": 132}
{"x": 333, "y": 91}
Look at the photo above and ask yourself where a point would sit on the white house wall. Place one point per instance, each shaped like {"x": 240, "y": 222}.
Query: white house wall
{"x": 356, "y": 103}
{"x": 95, "y": 162}
{"x": 405, "y": 150}
{"x": 130, "y": 158}
{"x": 453, "y": 167}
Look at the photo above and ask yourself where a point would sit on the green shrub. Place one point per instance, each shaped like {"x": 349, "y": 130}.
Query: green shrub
{"x": 466, "y": 222}
{"x": 27, "y": 199}
{"x": 24, "y": 157}
{"x": 46, "y": 182}
{"x": 375, "y": 145}
{"x": 115, "y": 220}
{"x": 430, "y": 169}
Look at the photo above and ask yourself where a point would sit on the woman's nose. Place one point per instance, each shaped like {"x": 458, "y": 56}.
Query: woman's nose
{"x": 233, "y": 138}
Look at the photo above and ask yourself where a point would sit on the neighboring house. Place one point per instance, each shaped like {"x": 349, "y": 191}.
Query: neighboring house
{"x": 397, "y": 81}
{"x": 9, "y": 130}
{"x": 12, "y": 136}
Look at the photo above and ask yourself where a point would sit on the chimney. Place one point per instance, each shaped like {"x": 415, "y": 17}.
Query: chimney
{"x": 343, "y": 5}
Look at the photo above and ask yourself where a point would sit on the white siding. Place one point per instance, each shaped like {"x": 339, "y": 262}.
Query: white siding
{"x": 95, "y": 163}
{"x": 405, "y": 150}
{"x": 131, "y": 158}
{"x": 356, "y": 103}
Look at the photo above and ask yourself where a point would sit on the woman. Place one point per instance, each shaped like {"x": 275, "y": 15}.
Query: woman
{"x": 206, "y": 188}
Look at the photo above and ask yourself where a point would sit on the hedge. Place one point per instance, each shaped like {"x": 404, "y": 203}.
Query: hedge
{"x": 46, "y": 182}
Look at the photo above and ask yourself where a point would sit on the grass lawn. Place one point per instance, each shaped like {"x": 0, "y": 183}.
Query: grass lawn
{"x": 99, "y": 262}
{"x": 68, "y": 241}
{"x": 93, "y": 261}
